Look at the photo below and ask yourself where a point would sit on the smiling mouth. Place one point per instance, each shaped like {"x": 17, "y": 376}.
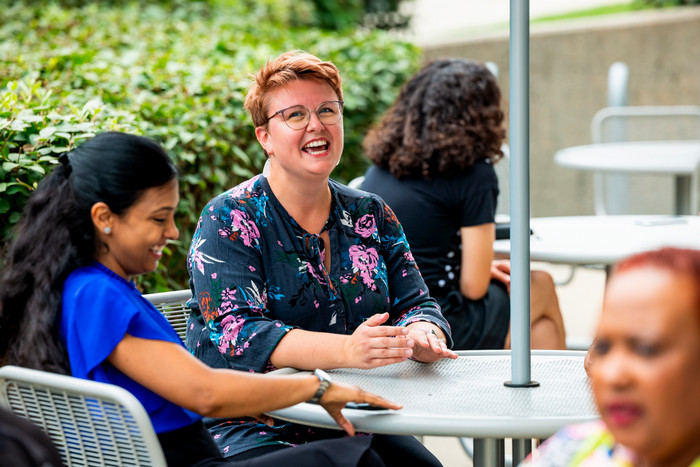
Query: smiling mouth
{"x": 316, "y": 148}
{"x": 623, "y": 414}
{"x": 157, "y": 250}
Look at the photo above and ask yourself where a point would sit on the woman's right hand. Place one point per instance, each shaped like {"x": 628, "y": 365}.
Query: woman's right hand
{"x": 338, "y": 394}
{"x": 373, "y": 345}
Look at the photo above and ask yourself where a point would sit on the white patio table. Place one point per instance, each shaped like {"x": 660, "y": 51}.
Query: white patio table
{"x": 587, "y": 240}
{"x": 467, "y": 398}
{"x": 678, "y": 158}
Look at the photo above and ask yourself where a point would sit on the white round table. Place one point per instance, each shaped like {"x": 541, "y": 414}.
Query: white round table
{"x": 604, "y": 239}
{"x": 678, "y": 158}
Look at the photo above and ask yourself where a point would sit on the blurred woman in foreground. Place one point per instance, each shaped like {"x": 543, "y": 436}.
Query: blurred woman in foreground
{"x": 645, "y": 370}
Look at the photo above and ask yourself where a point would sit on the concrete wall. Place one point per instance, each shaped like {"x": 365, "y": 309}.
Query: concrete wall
{"x": 569, "y": 63}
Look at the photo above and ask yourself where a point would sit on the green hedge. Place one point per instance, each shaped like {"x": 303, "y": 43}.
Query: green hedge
{"x": 178, "y": 75}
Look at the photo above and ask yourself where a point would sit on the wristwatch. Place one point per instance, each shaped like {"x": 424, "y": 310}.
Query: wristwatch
{"x": 325, "y": 381}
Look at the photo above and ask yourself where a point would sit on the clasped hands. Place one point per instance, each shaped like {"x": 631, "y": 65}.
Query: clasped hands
{"x": 373, "y": 345}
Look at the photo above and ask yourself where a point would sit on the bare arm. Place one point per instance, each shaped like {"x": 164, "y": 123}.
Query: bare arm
{"x": 477, "y": 254}
{"x": 177, "y": 376}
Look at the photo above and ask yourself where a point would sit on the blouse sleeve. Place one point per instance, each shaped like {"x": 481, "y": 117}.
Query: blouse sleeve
{"x": 226, "y": 271}
{"x": 410, "y": 300}
{"x": 95, "y": 318}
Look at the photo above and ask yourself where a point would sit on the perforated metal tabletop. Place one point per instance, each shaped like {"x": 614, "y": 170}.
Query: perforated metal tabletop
{"x": 466, "y": 397}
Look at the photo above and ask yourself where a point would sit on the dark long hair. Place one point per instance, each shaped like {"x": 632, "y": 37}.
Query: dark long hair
{"x": 445, "y": 119}
{"x": 56, "y": 235}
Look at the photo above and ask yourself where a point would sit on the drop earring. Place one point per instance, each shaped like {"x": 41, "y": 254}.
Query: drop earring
{"x": 107, "y": 230}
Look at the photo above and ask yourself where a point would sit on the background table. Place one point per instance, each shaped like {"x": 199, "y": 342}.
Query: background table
{"x": 678, "y": 158}
{"x": 604, "y": 239}
{"x": 466, "y": 398}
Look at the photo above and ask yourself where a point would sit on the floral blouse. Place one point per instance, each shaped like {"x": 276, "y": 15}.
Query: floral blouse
{"x": 256, "y": 274}
{"x": 584, "y": 445}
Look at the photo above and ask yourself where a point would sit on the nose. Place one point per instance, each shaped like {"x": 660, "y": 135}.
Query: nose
{"x": 172, "y": 232}
{"x": 315, "y": 123}
{"x": 612, "y": 369}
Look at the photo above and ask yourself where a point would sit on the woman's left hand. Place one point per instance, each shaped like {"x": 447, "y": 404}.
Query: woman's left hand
{"x": 430, "y": 342}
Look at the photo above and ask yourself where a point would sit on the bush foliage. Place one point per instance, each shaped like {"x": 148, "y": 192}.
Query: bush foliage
{"x": 176, "y": 72}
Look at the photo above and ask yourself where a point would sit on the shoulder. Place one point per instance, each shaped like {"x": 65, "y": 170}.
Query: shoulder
{"x": 94, "y": 280}
{"x": 239, "y": 194}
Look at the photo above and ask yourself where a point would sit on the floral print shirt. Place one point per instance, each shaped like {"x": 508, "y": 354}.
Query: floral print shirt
{"x": 256, "y": 274}
{"x": 584, "y": 445}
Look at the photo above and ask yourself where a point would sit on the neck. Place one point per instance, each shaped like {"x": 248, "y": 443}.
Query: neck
{"x": 308, "y": 202}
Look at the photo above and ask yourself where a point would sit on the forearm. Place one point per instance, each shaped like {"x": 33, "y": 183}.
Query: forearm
{"x": 237, "y": 394}
{"x": 307, "y": 350}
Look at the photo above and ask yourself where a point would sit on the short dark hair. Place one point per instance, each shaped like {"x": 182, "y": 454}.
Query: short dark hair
{"x": 445, "y": 119}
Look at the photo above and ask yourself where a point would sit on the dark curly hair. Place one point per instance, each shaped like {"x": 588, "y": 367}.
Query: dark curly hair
{"x": 445, "y": 119}
{"x": 56, "y": 235}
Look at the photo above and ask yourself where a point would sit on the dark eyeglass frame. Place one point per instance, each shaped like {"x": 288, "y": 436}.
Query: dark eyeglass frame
{"x": 341, "y": 105}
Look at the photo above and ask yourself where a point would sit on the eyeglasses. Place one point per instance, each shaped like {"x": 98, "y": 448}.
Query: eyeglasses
{"x": 297, "y": 117}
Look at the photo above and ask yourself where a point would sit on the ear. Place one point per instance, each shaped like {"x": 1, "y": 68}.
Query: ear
{"x": 102, "y": 216}
{"x": 265, "y": 139}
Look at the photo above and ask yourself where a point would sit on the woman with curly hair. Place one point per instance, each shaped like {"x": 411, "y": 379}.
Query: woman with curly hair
{"x": 433, "y": 156}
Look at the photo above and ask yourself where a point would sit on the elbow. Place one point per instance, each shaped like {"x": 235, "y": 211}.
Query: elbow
{"x": 207, "y": 403}
{"x": 474, "y": 291}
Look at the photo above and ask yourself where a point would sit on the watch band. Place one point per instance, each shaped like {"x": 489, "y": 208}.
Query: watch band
{"x": 325, "y": 382}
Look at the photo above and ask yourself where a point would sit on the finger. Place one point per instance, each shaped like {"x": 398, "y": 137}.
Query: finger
{"x": 393, "y": 342}
{"x": 342, "y": 422}
{"x": 376, "y": 320}
{"x": 387, "y": 331}
{"x": 377, "y": 362}
{"x": 379, "y": 401}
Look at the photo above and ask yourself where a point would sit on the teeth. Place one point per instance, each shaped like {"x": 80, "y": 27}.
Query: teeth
{"x": 315, "y": 144}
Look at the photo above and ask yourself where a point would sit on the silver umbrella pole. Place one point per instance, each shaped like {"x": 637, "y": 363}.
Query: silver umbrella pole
{"x": 520, "y": 193}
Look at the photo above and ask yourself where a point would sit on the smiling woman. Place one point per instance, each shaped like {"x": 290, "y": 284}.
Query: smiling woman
{"x": 645, "y": 369}
{"x": 68, "y": 304}
{"x": 318, "y": 275}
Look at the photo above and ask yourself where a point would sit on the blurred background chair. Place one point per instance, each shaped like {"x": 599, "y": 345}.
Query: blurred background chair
{"x": 90, "y": 423}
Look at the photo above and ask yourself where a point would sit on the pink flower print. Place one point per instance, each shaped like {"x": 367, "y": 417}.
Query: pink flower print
{"x": 279, "y": 243}
{"x": 213, "y": 276}
{"x": 404, "y": 273}
{"x": 252, "y": 269}
{"x": 364, "y": 261}
{"x": 244, "y": 226}
{"x": 228, "y": 294}
{"x": 365, "y": 225}
{"x": 211, "y": 208}
{"x": 232, "y": 325}
{"x": 226, "y": 449}
{"x": 409, "y": 256}
{"x": 357, "y": 299}
{"x": 316, "y": 303}
{"x": 217, "y": 436}
{"x": 225, "y": 307}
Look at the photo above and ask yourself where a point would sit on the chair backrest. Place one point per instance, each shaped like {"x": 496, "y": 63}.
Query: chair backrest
{"x": 646, "y": 123}
{"x": 173, "y": 305}
{"x": 90, "y": 423}
{"x": 638, "y": 123}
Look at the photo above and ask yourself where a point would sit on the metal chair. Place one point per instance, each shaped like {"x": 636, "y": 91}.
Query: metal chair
{"x": 173, "y": 305}
{"x": 90, "y": 423}
{"x": 639, "y": 123}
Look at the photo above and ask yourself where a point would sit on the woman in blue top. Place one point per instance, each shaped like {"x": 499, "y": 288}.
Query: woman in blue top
{"x": 68, "y": 305}
{"x": 292, "y": 269}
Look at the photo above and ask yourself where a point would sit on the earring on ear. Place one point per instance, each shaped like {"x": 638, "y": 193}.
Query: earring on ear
{"x": 107, "y": 230}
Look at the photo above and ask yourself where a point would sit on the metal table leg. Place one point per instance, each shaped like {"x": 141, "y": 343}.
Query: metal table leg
{"x": 489, "y": 452}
